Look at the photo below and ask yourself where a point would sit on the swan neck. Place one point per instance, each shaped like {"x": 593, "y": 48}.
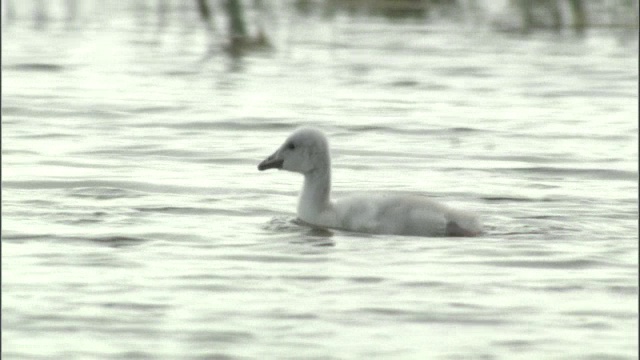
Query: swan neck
{"x": 316, "y": 191}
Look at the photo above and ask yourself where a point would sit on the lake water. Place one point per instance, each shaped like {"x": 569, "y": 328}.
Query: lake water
{"x": 135, "y": 223}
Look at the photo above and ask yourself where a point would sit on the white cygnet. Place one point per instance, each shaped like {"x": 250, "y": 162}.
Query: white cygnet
{"x": 306, "y": 151}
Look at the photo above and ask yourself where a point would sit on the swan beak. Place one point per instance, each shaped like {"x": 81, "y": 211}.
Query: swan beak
{"x": 272, "y": 162}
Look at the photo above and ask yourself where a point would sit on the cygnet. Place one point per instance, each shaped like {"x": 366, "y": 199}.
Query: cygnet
{"x": 306, "y": 151}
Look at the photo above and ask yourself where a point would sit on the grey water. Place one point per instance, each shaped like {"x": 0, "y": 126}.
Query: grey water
{"x": 135, "y": 224}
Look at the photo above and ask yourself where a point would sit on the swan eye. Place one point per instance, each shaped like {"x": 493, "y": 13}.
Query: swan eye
{"x": 290, "y": 146}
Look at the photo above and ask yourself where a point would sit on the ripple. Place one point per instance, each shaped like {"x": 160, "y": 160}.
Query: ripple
{"x": 182, "y": 210}
{"x": 366, "y": 279}
{"x": 392, "y": 129}
{"x": 272, "y": 258}
{"x": 220, "y": 336}
{"x": 36, "y": 67}
{"x": 548, "y": 264}
{"x": 48, "y": 136}
{"x": 623, "y": 290}
{"x": 17, "y": 152}
{"x": 75, "y": 164}
{"x": 612, "y": 314}
{"x": 462, "y": 318}
{"x": 591, "y": 174}
{"x": 309, "y": 278}
{"x": 138, "y": 187}
{"x": 157, "y": 109}
{"x": 516, "y": 344}
{"x": 134, "y": 355}
{"x": 425, "y": 284}
{"x": 137, "y": 306}
{"x": 404, "y": 83}
{"x": 24, "y": 237}
{"x": 282, "y": 224}
{"x": 514, "y": 199}
{"x": 109, "y": 240}
{"x": 103, "y": 193}
{"x": 116, "y": 240}
{"x": 253, "y": 124}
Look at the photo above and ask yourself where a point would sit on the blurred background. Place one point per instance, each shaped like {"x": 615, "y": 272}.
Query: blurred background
{"x": 136, "y": 225}
{"x": 264, "y": 24}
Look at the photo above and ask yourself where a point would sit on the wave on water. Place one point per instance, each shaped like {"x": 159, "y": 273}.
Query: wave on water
{"x": 514, "y": 199}
{"x": 54, "y": 111}
{"x": 115, "y": 240}
{"x": 316, "y": 236}
{"x": 103, "y": 193}
{"x": 36, "y": 67}
{"x": 549, "y": 264}
{"x": 253, "y": 124}
{"x": 103, "y": 188}
{"x": 351, "y": 129}
{"x": 482, "y": 318}
{"x": 109, "y": 240}
{"x": 595, "y": 174}
{"x": 282, "y": 224}
{"x": 185, "y": 210}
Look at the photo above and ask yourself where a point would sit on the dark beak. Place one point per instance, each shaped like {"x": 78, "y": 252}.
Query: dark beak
{"x": 270, "y": 163}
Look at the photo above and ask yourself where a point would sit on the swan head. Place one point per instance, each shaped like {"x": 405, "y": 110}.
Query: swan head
{"x": 304, "y": 151}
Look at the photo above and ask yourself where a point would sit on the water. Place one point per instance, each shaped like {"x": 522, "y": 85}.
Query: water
{"x": 136, "y": 225}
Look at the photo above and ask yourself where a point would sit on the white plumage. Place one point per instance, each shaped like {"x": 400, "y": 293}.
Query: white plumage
{"x": 306, "y": 151}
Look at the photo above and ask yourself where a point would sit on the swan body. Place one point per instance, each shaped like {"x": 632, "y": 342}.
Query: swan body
{"x": 306, "y": 151}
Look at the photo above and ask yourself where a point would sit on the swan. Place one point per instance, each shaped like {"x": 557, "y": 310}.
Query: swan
{"x": 306, "y": 151}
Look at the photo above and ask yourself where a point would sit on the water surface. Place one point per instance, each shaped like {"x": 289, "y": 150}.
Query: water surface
{"x": 136, "y": 225}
